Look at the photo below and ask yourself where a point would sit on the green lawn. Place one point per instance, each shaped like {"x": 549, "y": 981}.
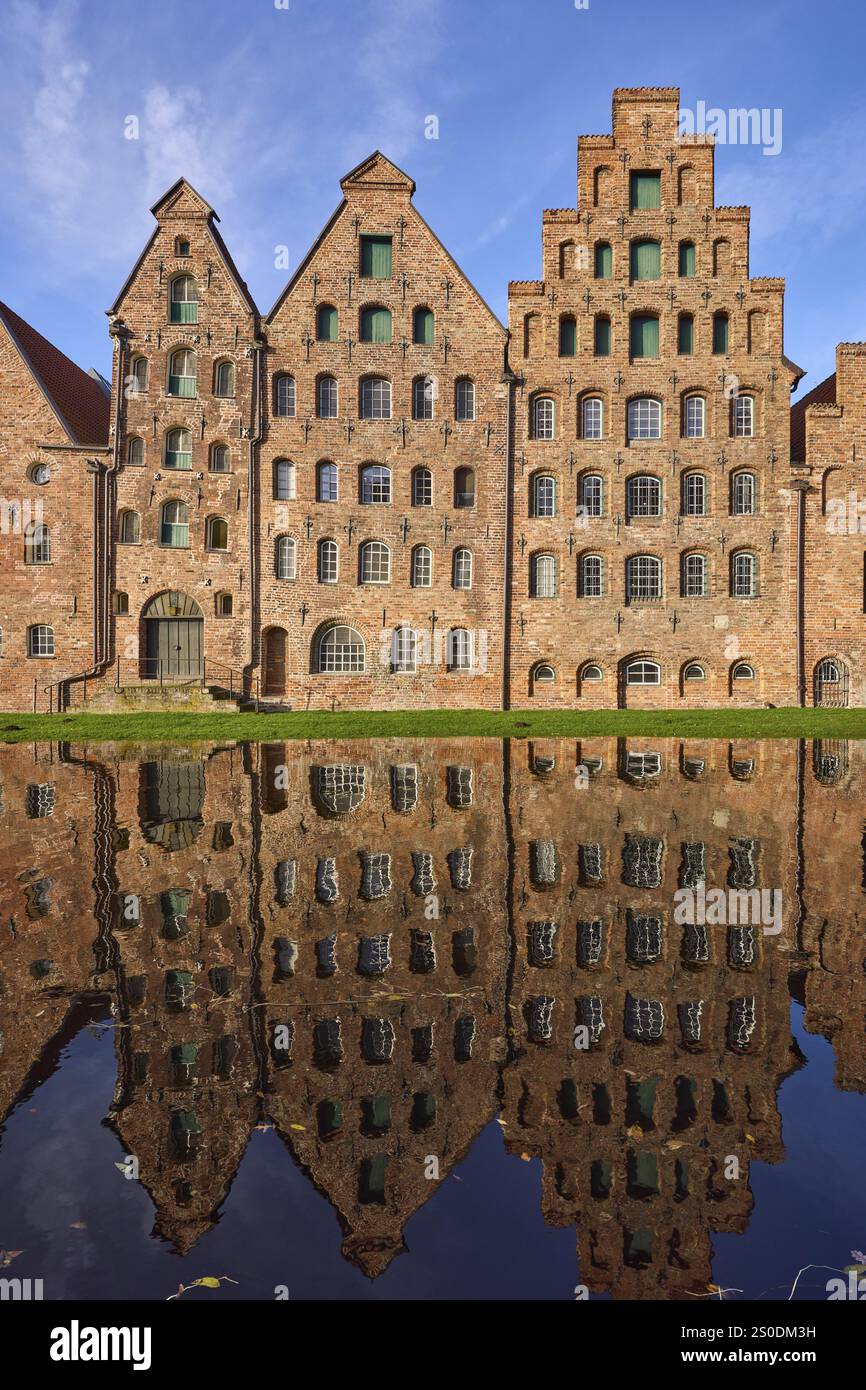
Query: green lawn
{"x": 184, "y": 728}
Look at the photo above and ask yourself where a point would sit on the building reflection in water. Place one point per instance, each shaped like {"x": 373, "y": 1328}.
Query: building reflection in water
{"x": 380, "y": 946}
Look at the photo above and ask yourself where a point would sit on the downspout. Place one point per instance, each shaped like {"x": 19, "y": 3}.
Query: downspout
{"x": 801, "y": 487}
{"x": 508, "y": 378}
{"x": 252, "y": 497}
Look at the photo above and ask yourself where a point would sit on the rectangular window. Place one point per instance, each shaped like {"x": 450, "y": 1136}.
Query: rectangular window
{"x": 645, "y": 191}
{"x": 644, "y": 336}
{"x": 686, "y": 335}
{"x": 376, "y": 257}
{"x": 645, "y": 260}
{"x": 603, "y": 261}
{"x": 687, "y": 258}
{"x": 602, "y": 338}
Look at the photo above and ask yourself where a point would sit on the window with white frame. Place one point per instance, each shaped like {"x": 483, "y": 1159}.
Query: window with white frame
{"x": 375, "y": 484}
{"x": 422, "y": 567}
{"x": 178, "y": 449}
{"x": 285, "y": 558}
{"x": 591, "y": 576}
{"x": 696, "y": 417}
{"x": 37, "y": 544}
{"x": 744, "y": 417}
{"x": 543, "y": 579}
{"x": 644, "y": 496}
{"x": 694, "y": 494}
{"x": 592, "y": 494}
{"x": 40, "y": 640}
{"x": 423, "y": 395}
{"x": 224, "y": 379}
{"x": 220, "y": 460}
{"x": 694, "y": 576}
{"x": 326, "y": 481}
{"x": 135, "y": 452}
{"x": 184, "y": 300}
{"x": 137, "y": 383}
{"x": 593, "y": 418}
{"x": 341, "y": 652}
{"x": 744, "y": 574}
{"x": 182, "y": 373}
{"x": 422, "y": 488}
{"x": 644, "y": 418}
{"x": 544, "y": 495}
{"x": 461, "y": 575}
{"x": 744, "y": 493}
{"x": 464, "y": 399}
{"x": 284, "y": 480}
{"x": 404, "y": 651}
{"x": 327, "y": 398}
{"x": 543, "y": 418}
{"x": 284, "y": 396}
{"x": 459, "y": 649}
{"x": 375, "y": 398}
{"x": 375, "y": 563}
{"x": 643, "y": 575}
{"x": 328, "y": 562}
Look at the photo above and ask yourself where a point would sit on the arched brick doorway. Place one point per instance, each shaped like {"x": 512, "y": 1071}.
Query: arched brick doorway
{"x": 173, "y": 638}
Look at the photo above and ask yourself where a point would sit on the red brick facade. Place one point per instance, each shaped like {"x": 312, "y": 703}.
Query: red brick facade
{"x": 377, "y": 497}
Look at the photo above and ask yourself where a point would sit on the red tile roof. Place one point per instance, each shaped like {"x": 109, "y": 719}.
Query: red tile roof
{"x": 822, "y": 394}
{"x": 82, "y": 404}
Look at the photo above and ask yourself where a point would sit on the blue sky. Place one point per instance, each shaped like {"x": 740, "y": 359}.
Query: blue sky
{"x": 264, "y": 108}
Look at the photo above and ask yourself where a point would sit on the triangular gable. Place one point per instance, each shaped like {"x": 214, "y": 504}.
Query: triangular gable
{"x": 79, "y": 403}
{"x": 377, "y": 172}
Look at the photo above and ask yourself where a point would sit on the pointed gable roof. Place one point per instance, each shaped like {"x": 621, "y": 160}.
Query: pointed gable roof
{"x": 376, "y": 171}
{"x": 182, "y": 200}
{"x": 79, "y": 402}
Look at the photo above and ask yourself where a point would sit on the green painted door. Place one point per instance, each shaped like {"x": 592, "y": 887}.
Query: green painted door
{"x": 174, "y": 648}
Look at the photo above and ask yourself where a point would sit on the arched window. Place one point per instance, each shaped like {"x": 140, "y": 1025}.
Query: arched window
{"x": 326, "y": 398}
{"x": 285, "y": 558}
{"x": 328, "y": 562}
{"x": 464, "y": 487}
{"x": 461, "y": 569}
{"x": 543, "y": 674}
{"x": 743, "y": 672}
{"x": 375, "y": 398}
{"x": 694, "y": 672}
{"x": 600, "y": 185}
{"x": 601, "y": 338}
{"x": 284, "y": 480}
{"x": 695, "y": 421}
{"x": 326, "y": 481}
{"x": 685, "y": 335}
{"x": 644, "y": 495}
{"x": 223, "y": 605}
{"x": 375, "y": 563}
{"x": 219, "y": 461}
{"x": 687, "y": 264}
{"x": 687, "y": 189}
{"x": 137, "y": 380}
{"x": 423, "y": 393}
{"x": 644, "y": 336}
{"x": 422, "y": 487}
{"x": 543, "y": 495}
{"x": 543, "y": 418}
{"x": 757, "y": 330}
{"x": 423, "y": 325}
{"x": 182, "y": 373}
{"x": 592, "y": 417}
{"x": 694, "y": 576}
{"x": 184, "y": 299}
{"x": 603, "y": 260}
{"x": 216, "y": 533}
{"x": 224, "y": 379}
{"x": 591, "y": 577}
{"x": 566, "y": 258}
{"x": 743, "y": 494}
{"x": 720, "y": 333}
{"x": 644, "y": 418}
{"x": 591, "y": 672}
{"x": 375, "y": 484}
{"x": 721, "y": 256}
{"x": 459, "y": 649}
{"x": 174, "y": 525}
{"x": 120, "y": 603}
{"x": 375, "y": 324}
{"x": 643, "y": 673}
{"x": 178, "y": 449}
{"x": 129, "y": 528}
{"x": 284, "y": 395}
{"x": 694, "y": 494}
{"x": 464, "y": 399}
{"x": 340, "y": 651}
{"x": 744, "y": 574}
{"x": 404, "y": 651}
{"x": 135, "y": 452}
{"x": 327, "y": 323}
{"x": 568, "y": 336}
{"x": 645, "y": 261}
{"x": 37, "y": 544}
{"x": 543, "y": 576}
{"x": 744, "y": 417}
{"x": 40, "y": 640}
{"x": 643, "y": 578}
{"x": 422, "y": 567}
{"x": 592, "y": 494}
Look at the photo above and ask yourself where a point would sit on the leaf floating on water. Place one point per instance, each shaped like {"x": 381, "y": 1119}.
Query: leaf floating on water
{"x": 207, "y": 1281}
{"x": 78, "y": 1226}
{"x": 303, "y": 1127}
{"x": 7, "y": 1256}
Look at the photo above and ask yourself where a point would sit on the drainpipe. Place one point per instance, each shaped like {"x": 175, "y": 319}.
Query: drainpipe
{"x": 508, "y": 378}
{"x": 252, "y": 496}
{"x": 801, "y": 487}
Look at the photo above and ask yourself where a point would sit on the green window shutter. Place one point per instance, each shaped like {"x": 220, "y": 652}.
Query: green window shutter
{"x": 376, "y": 257}
{"x": 645, "y": 260}
{"x": 567, "y": 338}
{"x": 376, "y": 326}
{"x": 645, "y": 191}
{"x": 424, "y": 326}
{"x": 686, "y": 336}
{"x": 328, "y": 324}
{"x": 687, "y": 258}
{"x": 603, "y": 261}
{"x": 720, "y": 333}
{"x": 602, "y": 337}
{"x": 644, "y": 336}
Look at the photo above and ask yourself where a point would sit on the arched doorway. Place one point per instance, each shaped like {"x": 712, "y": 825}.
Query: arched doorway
{"x": 275, "y": 661}
{"x": 173, "y": 638}
{"x": 831, "y": 683}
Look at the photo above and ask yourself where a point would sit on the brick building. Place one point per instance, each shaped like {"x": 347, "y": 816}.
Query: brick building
{"x": 376, "y": 496}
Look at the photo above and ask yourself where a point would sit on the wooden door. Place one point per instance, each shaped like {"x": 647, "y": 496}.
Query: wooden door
{"x": 275, "y": 661}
